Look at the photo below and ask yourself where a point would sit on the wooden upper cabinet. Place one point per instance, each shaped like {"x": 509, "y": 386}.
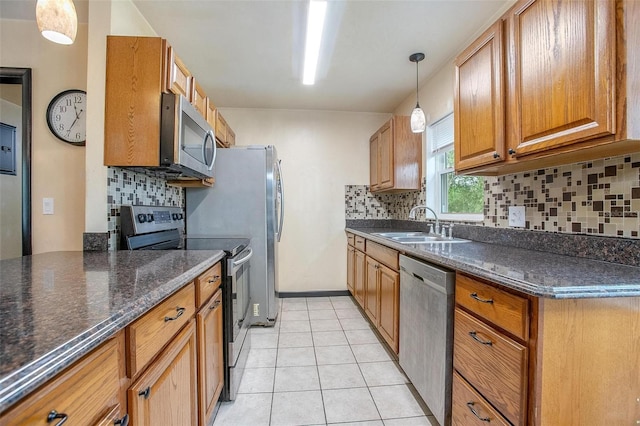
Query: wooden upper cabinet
{"x": 221, "y": 129}
{"x": 565, "y": 72}
{"x": 395, "y": 157}
{"x": 211, "y": 114}
{"x": 479, "y": 101}
{"x": 199, "y": 98}
{"x": 178, "y": 77}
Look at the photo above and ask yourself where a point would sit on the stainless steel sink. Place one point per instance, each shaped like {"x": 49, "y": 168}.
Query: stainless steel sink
{"x": 418, "y": 238}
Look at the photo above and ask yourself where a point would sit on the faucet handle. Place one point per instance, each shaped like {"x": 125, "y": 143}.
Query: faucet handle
{"x": 451, "y": 231}
{"x": 431, "y": 228}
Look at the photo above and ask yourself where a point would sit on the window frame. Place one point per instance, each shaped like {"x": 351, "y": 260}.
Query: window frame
{"x": 433, "y": 196}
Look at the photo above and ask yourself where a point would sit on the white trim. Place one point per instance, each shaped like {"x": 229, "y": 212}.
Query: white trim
{"x": 462, "y": 217}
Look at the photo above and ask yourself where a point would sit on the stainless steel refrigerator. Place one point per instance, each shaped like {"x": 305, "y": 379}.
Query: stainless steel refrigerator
{"x": 246, "y": 200}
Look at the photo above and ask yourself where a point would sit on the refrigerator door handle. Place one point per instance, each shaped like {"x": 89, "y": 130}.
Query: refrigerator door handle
{"x": 281, "y": 190}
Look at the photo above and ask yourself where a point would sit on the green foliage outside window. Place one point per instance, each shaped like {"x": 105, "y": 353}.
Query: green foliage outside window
{"x": 464, "y": 194}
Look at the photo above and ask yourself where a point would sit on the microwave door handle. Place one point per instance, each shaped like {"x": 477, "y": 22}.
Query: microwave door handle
{"x": 281, "y": 190}
{"x": 210, "y": 136}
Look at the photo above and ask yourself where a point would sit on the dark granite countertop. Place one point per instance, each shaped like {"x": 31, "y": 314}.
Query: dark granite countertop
{"x": 56, "y": 307}
{"x": 532, "y": 272}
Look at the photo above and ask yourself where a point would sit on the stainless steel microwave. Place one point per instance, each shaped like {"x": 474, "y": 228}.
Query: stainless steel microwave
{"x": 187, "y": 141}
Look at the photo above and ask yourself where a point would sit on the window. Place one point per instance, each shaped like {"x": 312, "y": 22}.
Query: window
{"x": 452, "y": 196}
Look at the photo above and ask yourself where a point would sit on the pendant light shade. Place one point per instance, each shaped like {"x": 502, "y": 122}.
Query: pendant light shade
{"x": 418, "y": 122}
{"x": 57, "y": 20}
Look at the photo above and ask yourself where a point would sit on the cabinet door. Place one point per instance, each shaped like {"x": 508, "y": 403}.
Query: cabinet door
{"x": 371, "y": 290}
{"x": 351, "y": 259}
{"x": 373, "y": 162}
{"x": 198, "y": 98}
{"x": 179, "y": 77}
{"x": 221, "y": 129}
{"x": 165, "y": 394}
{"x": 211, "y": 114}
{"x": 231, "y": 136}
{"x": 359, "y": 277}
{"x": 389, "y": 306}
{"x": 210, "y": 362}
{"x": 385, "y": 157}
{"x": 564, "y": 65}
{"x": 479, "y": 102}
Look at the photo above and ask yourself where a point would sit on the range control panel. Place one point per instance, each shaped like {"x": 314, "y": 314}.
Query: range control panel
{"x": 137, "y": 220}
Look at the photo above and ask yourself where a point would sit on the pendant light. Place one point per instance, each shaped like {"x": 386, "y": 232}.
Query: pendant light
{"x": 57, "y": 20}
{"x": 418, "y": 122}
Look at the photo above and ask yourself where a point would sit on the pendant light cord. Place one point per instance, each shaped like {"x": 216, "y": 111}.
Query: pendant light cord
{"x": 417, "y": 89}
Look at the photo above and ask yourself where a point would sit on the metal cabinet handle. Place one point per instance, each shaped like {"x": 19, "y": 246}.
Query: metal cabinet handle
{"x": 496, "y": 155}
{"x": 512, "y": 151}
{"x": 123, "y": 421}
{"x": 53, "y": 415}
{"x": 213, "y": 279}
{"x": 475, "y": 296}
{"x": 475, "y": 413}
{"x": 180, "y": 312}
{"x": 475, "y": 337}
{"x": 145, "y": 392}
{"x": 215, "y": 304}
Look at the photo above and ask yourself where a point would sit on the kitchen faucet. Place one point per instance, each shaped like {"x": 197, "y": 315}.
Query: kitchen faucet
{"x": 412, "y": 215}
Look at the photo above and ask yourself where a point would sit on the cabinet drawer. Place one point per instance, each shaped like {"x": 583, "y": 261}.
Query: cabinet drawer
{"x": 147, "y": 335}
{"x": 494, "y": 364}
{"x": 360, "y": 243}
{"x": 351, "y": 239}
{"x": 85, "y": 393}
{"x": 207, "y": 283}
{"x": 383, "y": 254}
{"x": 507, "y": 311}
{"x": 469, "y": 408}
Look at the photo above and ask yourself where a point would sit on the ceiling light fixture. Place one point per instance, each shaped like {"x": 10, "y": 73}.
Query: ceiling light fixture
{"x": 315, "y": 25}
{"x": 418, "y": 123}
{"x": 57, "y": 20}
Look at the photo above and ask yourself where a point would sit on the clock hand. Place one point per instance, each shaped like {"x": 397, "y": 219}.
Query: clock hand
{"x": 74, "y": 122}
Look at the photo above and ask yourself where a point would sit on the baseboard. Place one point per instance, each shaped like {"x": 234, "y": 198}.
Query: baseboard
{"x": 328, "y": 293}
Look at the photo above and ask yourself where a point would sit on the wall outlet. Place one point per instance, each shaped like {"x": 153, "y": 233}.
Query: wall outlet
{"x": 256, "y": 309}
{"x": 47, "y": 206}
{"x": 517, "y": 216}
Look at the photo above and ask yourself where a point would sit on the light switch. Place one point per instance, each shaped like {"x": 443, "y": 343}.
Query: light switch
{"x": 517, "y": 216}
{"x": 47, "y": 206}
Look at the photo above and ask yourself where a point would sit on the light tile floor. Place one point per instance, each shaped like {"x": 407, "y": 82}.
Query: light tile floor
{"x": 321, "y": 365}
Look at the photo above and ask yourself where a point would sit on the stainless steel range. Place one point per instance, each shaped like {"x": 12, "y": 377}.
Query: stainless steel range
{"x": 162, "y": 228}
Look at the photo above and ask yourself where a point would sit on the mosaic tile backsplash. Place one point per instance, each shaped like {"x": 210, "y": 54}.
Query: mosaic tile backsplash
{"x": 128, "y": 187}
{"x": 599, "y": 197}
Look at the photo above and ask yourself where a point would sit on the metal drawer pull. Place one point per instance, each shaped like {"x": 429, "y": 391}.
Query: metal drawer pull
{"x": 180, "y": 312}
{"x": 475, "y": 296}
{"x": 214, "y": 279}
{"x": 215, "y": 304}
{"x": 475, "y": 413}
{"x": 53, "y": 414}
{"x": 123, "y": 421}
{"x": 475, "y": 337}
{"x": 145, "y": 392}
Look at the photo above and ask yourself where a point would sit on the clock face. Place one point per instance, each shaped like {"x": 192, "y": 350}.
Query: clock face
{"x": 66, "y": 116}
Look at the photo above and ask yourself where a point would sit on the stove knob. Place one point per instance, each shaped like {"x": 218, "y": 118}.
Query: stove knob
{"x": 174, "y": 216}
{"x": 180, "y": 216}
{"x": 142, "y": 218}
{"x": 149, "y": 217}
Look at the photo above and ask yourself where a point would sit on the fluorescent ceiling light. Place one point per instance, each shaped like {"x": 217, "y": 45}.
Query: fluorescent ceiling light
{"x": 315, "y": 24}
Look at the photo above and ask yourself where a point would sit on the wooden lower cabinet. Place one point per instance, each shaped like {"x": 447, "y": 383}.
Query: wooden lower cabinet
{"x": 90, "y": 392}
{"x": 210, "y": 357}
{"x": 359, "y": 282}
{"x": 165, "y": 394}
{"x": 372, "y": 290}
{"x": 469, "y": 408}
{"x": 389, "y": 301}
{"x": 351, "y": 261}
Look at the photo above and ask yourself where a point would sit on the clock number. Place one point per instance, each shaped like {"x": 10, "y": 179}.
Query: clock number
{"x": 78, "y": 99}
{"x": 61, "y": 126}
{"x": 58, "y": 117}
{"x": 68, "y": 101}
{"x": 63, "y": 109}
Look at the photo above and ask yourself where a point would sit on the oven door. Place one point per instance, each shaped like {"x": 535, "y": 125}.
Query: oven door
{"x": 238, "y": 273}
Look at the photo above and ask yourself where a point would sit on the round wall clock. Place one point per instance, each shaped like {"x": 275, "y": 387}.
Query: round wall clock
{"x": 66, "y": 116}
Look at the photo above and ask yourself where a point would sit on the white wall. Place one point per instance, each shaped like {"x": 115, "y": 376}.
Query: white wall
{"x": 57, "y": 167}
{"x": 321, "y": 152}
{"x": 11, "y": 189}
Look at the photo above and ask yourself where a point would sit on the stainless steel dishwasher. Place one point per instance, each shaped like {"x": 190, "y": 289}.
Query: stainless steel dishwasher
{"x": 426, "y": 332}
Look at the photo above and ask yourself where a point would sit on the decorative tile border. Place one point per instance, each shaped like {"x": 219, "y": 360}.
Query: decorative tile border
{"x": 125, "y": 186}
{"x": 599, "y": 197}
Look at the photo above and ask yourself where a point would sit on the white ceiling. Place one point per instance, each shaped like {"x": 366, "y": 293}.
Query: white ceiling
{"x": 249, "y": 53}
